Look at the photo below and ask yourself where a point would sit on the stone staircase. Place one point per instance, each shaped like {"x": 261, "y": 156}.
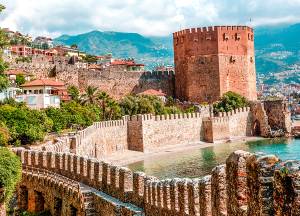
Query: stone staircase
{"x": 88, "y": 198}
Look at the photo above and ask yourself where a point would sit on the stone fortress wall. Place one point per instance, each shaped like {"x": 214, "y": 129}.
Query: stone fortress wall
{"x": 146, "y": 133}
{"x": 237, "y": 123}
{"x": 247, "y": 184}
{"x": 117, "y": 83}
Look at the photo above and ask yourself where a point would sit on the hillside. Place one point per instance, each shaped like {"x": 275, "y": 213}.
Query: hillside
{"x": 276, "y": 48}
{"x": 151, "y": 51}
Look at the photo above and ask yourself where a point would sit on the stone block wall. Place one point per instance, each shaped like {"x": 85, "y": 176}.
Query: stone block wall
{"x": 237, "y": 123}
{"x": 102, "y": 138}
{"x": 271, "y": 118}
{"x": 117, "y": 83}
{"x": 147, "y": 132}
{"x": 174, "y": 129}
{"x": 279, "y": 117}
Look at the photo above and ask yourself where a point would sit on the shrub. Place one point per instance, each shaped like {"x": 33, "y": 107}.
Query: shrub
{"x": 10, "y": 173}
{"x": 4, "y": 135}
{"x": 74, "y": 92}
{"x": 20, "y": 79}
{"x": 25, "y": 125}
{"x": 229, "y": 102}
{"x": 132, "y": 105}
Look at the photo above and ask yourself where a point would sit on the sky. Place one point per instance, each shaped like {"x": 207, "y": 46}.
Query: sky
{"x": 148, "y": 17}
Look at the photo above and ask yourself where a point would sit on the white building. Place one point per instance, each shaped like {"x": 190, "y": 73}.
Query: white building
{"x": 40, "y": 42}
{"x": 10, "y": 92}
{"x": 42, "y": 93}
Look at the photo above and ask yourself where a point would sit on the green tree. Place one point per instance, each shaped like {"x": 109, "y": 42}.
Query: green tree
{"x": 1, "y": 7}
{"x": 10, "y": 175}
{"x": 59, "y": 118}
{"x": 74, "y": 46}
{"x": 25, "y": 125}
{"x": 3, "y": 65}
{"x": 113, "y": 110}
{"x": 20, "y": 79}
{"x": 229, "y": 102}
{"x": 90, "y": 96}
{"x": 4, "y": 83}
{"x": 103, "y": 98}
{"x": 90, "y": 58}
{"x": 74, "y": 92}
{"x": 4, "y": 134}
{"x": 132, "y": 105}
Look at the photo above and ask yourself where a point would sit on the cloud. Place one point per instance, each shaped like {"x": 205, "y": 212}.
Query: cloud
{"x": 148, "y": 17}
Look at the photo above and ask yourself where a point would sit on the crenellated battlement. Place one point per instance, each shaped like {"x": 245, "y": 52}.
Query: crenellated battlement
{"x": 245, "y": 185}
{"x": 231, "y": 124}
{"x": 210, "y": 29}
{"x": 238, "y": 111}
{"x": 139, "y": 132}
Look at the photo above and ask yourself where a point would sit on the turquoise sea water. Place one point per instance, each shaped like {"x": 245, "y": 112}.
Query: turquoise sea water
{"x": 199, "y": 162}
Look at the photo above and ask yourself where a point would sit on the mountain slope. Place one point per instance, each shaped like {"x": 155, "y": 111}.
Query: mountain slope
{"x": 122, "y": 45}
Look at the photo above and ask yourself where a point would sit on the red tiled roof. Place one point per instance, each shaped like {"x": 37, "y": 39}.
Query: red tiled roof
{"x": 124, "y": 62}
{"x": 43, "y": 82}
{"x": 152, "y": 92}
{"x": 94, "y": 66}
{"x": 14, "y": 72}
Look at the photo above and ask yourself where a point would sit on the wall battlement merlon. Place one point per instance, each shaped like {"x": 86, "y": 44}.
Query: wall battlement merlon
{"x": 234, "y": 112}
{"x": 146, "y": 117}
{"x": 158, "y": 75}
{"x": 242, "y": 172}
{"x": 210, "y": 29}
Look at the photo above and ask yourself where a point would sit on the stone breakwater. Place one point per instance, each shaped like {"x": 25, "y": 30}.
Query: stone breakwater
{"x": 248, "y": 184}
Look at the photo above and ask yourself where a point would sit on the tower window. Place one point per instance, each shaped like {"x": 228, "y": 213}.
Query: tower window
{"x": 226, "y": 36}
{"x": 237, "y": 36}
{"x": 208, "y": 37}
{"x": 232, "y": 59}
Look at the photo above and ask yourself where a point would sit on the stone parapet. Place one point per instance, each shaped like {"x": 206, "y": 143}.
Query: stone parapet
{"x": 248, "y": 184}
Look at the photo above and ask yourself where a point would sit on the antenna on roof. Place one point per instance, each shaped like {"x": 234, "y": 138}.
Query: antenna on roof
{"x": 250, "y": 22}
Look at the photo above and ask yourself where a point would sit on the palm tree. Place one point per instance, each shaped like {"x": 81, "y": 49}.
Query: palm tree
{"x": 114, "y": 109}
{"x": 90, "y": 96}
{"x": 103, "y": 98}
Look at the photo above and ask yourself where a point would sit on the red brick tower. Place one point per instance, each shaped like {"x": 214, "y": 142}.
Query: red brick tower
{"x": 212, "y": 61}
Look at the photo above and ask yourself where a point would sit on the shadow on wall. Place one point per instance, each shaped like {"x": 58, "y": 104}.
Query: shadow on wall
{"x": 157, "y": 80}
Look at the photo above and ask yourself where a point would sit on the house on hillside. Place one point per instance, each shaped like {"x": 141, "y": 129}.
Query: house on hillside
{"x": 126, "y": 66}
{"x": 13, "y": 73}
{"x": 13, "y": 90}
{"x": 43, "y": 93}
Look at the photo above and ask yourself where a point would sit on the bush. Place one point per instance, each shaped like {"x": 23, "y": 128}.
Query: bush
{"x": 132, "y": 105}
{"x": 229, "y": 102}
{"x": 73, "y": 114}
{"x": 25, "y": 125}
{"x": 74, "y": 92}
{"x": 20, "y": 79}
{"x": 4, "y": 135}
{"x": 10, "y": 173}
